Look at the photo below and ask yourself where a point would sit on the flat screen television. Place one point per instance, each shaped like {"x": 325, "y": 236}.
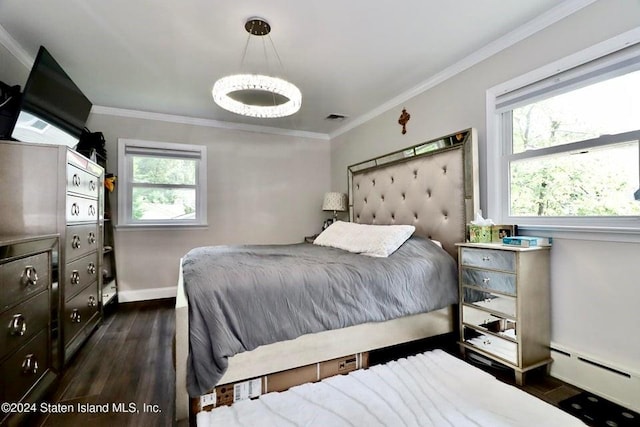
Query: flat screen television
{"x": 53, "y": 109}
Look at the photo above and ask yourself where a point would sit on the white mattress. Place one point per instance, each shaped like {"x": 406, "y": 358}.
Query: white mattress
{"x": 430, "y": 389}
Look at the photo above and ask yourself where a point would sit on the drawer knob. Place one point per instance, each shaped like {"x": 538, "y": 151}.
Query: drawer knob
{"x": 92, "y": 238}
{"x": 75, "y": 180}
{"x": 486, "y": 342}
{"x": 92, "y": 301}
{"x": 91, "y": 268}
{"x": 75, "y": 209}
{"x": 75, "y": 242}
{"x": 18, "y": 325}
{"x": 30, "y": 364}
{"x": 75, "y": 316}
{"x": 486, "y": 258}
{"x": 486, "y": 280}
{"x": 75, "y": 277}
{"x": 30, "y": 275}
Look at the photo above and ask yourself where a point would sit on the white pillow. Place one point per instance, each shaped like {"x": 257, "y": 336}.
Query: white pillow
{"x": 365, "y": 239}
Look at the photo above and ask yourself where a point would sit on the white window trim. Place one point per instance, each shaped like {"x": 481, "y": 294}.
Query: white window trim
{"x": 621, "y": 228}
{"x": 125, "y": 188}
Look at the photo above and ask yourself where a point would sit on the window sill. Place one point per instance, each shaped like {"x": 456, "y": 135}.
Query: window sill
{"x": 603, "y": 234}
{"x": 163, "y": 227}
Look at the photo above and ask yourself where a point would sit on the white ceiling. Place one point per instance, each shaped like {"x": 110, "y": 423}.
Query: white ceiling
{"x": 347, "y": 57}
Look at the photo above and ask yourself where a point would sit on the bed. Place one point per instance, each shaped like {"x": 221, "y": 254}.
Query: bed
{"x": 431, "y": 186}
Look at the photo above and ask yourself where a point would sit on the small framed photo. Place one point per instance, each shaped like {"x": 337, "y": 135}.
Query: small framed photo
{"x": 503, "y": 230}
{"x": 327, "y": 223}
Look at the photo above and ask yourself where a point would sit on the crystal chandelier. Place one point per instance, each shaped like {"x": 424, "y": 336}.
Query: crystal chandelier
{"x": 257, "y": 95}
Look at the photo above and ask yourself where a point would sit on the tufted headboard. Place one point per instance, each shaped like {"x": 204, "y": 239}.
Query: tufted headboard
{"x": 433, "y": 186}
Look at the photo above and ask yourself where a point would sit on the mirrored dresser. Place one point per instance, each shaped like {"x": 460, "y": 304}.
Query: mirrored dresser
{"x": 28, "y": 316}
{"x": 504, "y": 304}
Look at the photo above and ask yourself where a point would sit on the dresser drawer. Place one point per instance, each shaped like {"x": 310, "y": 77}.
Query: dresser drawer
{"x": 490, "y": 280}
{"x": 81, "y": 209}
{"x": 486, "y": 321}
{"x": 79, "y": 273}
{"x": 22, "y": 278}
{"x": 82, "y": 182}
{"x": 79, "y": 311}
{"x": 80, "y": 240}
{"x": 490, "y": 300}
{"x": 25, "y": 367}
{"x": 494, "y": 259}
{"x": 22, "y": 321}
{"x": 499, "y": 347}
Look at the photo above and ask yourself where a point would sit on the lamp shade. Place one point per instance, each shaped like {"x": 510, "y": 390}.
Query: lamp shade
{"x": 334, "y": 202}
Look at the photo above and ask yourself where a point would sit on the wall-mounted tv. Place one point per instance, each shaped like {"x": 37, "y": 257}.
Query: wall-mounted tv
{"x": 53, "y": 109}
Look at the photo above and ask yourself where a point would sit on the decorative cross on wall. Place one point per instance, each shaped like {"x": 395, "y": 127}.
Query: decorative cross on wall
{"x": 404, "y": 118}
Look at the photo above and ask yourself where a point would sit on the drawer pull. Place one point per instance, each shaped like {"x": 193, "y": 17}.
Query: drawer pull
{"x": 92, "y": 210}
{"x": 75, "y": 316}
{"x": 486, "y": 258}
{"x": 75, "y": 242}
{"x": 92, "y": 238}
{"x": 75, "y": 209}
{"x": 75, "y": 180}
{"x": 92, "y": 185}
{"x": 18, "y": 325}
{"x": 91, "y": 268}
{"x": 75, "y": 277}
{"x": 486, "y": 342}
{"x": 30, "y": 275}
{"x": 92, "y": 301}
{"x": 486, "y": 280}
{"x": 30, "y": 364}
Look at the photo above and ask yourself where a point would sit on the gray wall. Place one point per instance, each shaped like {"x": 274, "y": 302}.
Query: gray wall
{"x": 261, "y": 189}
{"x": 594, "y": 279}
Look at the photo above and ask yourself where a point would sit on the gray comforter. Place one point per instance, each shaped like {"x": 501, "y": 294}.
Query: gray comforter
{"x": 241, "y": 297}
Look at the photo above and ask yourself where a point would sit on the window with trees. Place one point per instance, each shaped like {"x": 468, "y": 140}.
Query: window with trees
{"x": 161, "y": 184}
{"x": 570, "y": 145}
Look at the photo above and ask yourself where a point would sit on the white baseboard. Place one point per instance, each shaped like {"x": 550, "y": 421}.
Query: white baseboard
{"x": 618, "y": 384}
{"x": 147, "y": 294}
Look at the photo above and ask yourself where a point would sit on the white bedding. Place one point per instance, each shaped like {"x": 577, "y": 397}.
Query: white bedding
{"x": 430, "y": 389}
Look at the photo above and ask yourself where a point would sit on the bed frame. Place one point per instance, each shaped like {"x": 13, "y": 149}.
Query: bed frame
{"x": 433, "y": 186}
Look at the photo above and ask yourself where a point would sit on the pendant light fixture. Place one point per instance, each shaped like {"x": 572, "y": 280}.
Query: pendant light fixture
{"x": 257, "y": 95}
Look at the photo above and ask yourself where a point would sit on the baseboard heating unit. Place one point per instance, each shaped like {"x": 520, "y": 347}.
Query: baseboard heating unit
{"x": 616, "y": 383}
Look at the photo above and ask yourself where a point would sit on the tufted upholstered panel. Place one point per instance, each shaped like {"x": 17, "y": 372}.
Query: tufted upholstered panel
{"x": 427, "y": 192}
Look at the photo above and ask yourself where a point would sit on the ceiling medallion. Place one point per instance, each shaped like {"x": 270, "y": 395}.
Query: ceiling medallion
{"x": 257, "y": 95}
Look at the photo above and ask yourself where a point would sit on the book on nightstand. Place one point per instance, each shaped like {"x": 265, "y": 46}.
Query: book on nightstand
{"x": 527, "y": 241}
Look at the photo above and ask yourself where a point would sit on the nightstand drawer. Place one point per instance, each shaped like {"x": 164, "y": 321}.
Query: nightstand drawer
{"x": 488, "y": 322}
{"x": 495, "y": 302}
{"x": 501, "y": 348}
{"x": 489, "y": 258}
{"x": 490, "y": 280}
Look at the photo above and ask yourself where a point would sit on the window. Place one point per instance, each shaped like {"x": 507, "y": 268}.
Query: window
{"x": 570, "y": 151}
{"x": 161, "y": 184}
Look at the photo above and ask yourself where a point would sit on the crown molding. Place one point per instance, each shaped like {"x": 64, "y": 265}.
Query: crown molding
{"x": 15, "y": 49}
{"x": 194, "y": 121}
{"x": 541, "y": 22}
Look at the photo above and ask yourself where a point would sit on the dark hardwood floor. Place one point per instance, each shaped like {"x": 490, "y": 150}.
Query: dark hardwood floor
{"x": 128, "y": 363}
{"x": 125, "y": 368}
